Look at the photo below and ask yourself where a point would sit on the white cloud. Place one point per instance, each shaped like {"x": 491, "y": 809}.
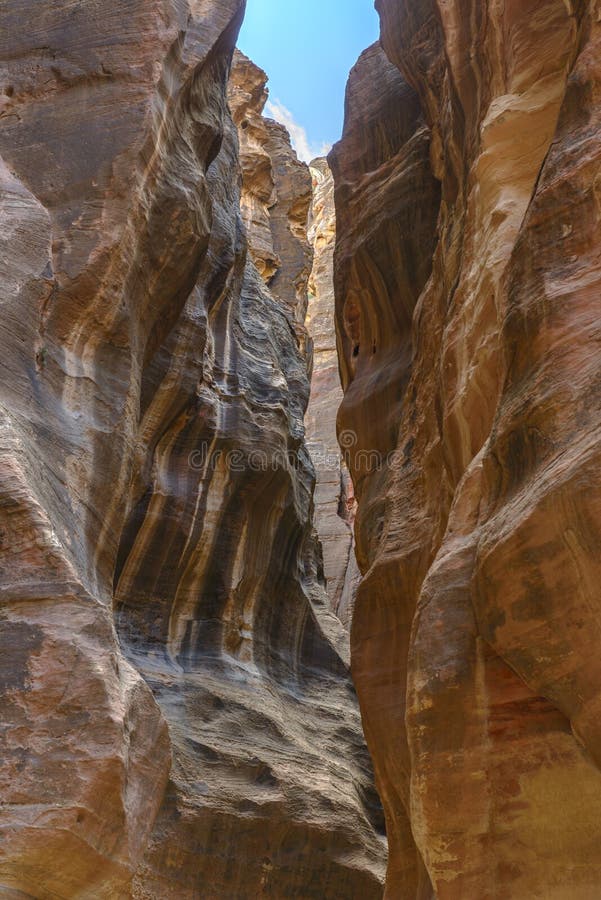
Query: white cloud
{"x": 305, "y": 149}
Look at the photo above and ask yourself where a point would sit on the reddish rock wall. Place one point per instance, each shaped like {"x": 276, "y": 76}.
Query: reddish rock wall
{"x": 178, "y": 719}
{"x": 467, "y": 281}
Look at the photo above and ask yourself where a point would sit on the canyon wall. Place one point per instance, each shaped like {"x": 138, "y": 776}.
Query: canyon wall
{"x": 334, "y": 495}
{"x": 468, "y": 263}
{"x": 276, "y": 192}
{"x": 290, "y": 220}
{"x": 178, "y": 718}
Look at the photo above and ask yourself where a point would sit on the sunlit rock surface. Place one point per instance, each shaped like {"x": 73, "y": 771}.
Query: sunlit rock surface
{"x": 334, "y": 496}
{"x": 467, "y": 281}
{"x": 276, "y": 190}
{"x": 177, "y": 717}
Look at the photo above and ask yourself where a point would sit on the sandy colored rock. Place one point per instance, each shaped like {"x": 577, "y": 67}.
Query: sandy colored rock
{"x": 467, "y": 270}
{"x": 280, "y": 200}
{"x": 334, "y": 495}
{"x": 178, "y": 718}
{"x": 276, "y": 190}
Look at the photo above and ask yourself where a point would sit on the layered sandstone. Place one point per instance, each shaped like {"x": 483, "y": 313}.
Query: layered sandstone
{"x": 468, "y": 264}
{"x": 291, "y": 226}
{"x": 178, "y": 720}
{"x": 276, "y": 190}
{"x": 334, "y": 496}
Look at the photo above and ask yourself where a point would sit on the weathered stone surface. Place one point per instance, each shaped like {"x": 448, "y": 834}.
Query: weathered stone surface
{"x": 334, "y": 496}
{"x": 178, "y": 720}
{"x": 276, "y": 190}
{"x": 383, "y": 259}
{"x": 247, "y": 95}
{"x": 469, "y": 337}
{"x": 277, "y": 199}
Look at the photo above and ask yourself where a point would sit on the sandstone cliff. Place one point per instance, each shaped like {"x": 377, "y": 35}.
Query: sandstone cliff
{"x": 467, "y": 281}
{"x": 276, "y": 191}
{"x": 280, "y": 201}
{"x": 177, "y": 718}
{"x": 334, "y": 496}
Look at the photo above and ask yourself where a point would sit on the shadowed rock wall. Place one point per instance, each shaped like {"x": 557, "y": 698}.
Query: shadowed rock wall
{"x": 291, "y": 224}
{"x": 467, "y": 295}
{"x": 178, "y": 719}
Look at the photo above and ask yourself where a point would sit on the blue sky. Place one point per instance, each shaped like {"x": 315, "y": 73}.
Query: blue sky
{"x": 307, "y": 47}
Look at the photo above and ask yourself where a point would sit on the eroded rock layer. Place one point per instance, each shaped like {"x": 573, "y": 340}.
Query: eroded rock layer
{"x": 291, "y": 226}
{"x": 177, "y": 717}
{"x": 276, "y": 190}
{"x": 467, "y": 280}
{"x": 334, "y": 496}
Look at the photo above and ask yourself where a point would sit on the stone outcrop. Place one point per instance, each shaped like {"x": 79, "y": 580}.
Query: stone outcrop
{"x": 334, "y": 496}
{"x": 467, "y": 282}
{"x": 278, "y": 198}
{"x": 276, "y": 191}
{"x": 177, "y": 716}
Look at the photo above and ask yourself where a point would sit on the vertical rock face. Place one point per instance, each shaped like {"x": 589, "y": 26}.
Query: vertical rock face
{"x": 387, "y": 204}
{"x": 467, "y": 281}
{"x": 334, "y": 496}
{"x": 277, "y": 200}
{"x": 276, "y": 191}
{"x": 177, "y": 718}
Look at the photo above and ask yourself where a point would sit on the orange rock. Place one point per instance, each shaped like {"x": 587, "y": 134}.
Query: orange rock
{"x": 474, "y": 637}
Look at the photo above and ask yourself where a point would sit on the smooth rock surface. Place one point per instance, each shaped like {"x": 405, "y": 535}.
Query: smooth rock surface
{"x": 178, "y": 719}
{"x": 468, "y": 263}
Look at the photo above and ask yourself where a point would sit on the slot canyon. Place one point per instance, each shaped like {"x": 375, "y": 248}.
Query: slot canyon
{"x": 300, "y": 516}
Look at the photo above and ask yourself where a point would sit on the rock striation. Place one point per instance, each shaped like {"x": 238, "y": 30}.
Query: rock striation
{"x": 276, "y": 191}
{"x": 468, "y": 262}
{"x": 290, "y": 220}
{"x": 178, "y": 719}
{"x": 334, "y": 495}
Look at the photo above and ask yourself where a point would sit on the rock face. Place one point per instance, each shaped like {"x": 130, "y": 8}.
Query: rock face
{"x": 278, "y": 197}
{"x": 467, "y": 281}
{"x": 334, "y": 495}
{"x": 177, "y": 718}
{"x": 276, "y": 191}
